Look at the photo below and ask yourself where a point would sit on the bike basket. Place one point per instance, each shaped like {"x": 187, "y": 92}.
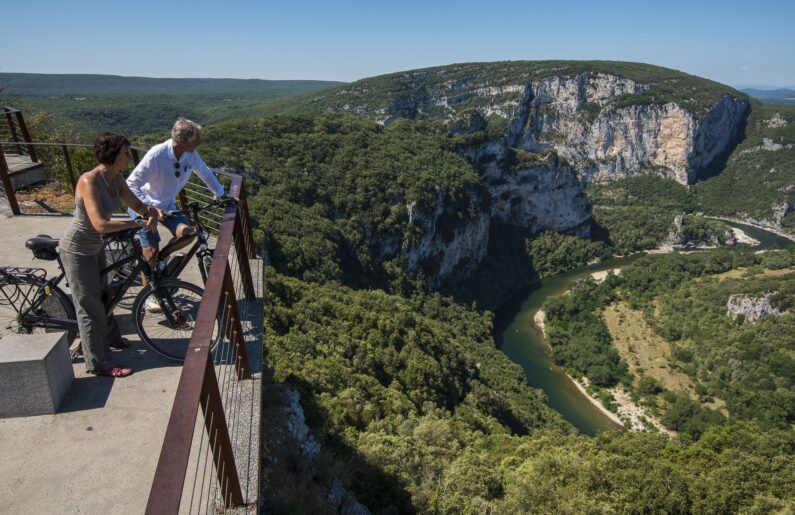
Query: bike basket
{"x": 14, "y": 275}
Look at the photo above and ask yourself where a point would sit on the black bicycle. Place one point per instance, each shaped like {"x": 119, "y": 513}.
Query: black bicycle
{"x": 171, "y": 259}
{"x": 30, "y": 302}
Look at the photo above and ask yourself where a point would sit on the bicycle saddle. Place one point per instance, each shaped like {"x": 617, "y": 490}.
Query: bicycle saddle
{"x": 43, "y": 247}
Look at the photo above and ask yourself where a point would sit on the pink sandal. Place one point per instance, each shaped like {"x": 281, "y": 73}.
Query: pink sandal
{"x": 115, "y": 371}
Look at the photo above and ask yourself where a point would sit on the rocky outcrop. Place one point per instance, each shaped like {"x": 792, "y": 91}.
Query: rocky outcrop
{"x": 605, "y": 141}
{"x": 751, "y": 307}
{"x": 599, "y": 122}
{"x": 289, "y": 462}
{"x": 544, "y": 197}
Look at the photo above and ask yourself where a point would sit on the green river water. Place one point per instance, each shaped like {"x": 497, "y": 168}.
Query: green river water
{"x": 517, "y": 336}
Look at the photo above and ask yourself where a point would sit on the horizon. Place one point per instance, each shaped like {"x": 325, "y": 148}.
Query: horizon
{"x": 759, "y": 87}
{"x": 308, "y": 40}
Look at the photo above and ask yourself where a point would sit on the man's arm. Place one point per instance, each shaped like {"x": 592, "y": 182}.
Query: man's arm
{"x": 207, "y": 175}
{"x": 140, "y": 176}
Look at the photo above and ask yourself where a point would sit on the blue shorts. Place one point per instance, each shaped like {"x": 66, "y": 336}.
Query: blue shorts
{"x": 152, "y": 239}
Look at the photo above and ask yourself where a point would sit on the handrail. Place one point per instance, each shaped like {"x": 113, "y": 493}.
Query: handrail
{"x": 198, "y": 385}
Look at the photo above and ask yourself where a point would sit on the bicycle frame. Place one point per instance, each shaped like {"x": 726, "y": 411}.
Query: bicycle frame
{"x": 30, "y": 317}
{"x": 199, "y": 248}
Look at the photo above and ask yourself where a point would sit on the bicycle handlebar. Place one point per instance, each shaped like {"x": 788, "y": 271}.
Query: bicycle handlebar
{"x": 195, "y": 208}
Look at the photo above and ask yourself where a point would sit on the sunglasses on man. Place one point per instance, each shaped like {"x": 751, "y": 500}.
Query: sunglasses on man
{"x": 177, "y": 173}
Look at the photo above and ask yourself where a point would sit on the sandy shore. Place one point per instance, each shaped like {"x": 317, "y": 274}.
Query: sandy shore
{"x": 741, "y": 237}
{"x": 609, "y": 414}
{"x": 762, "y": 227}
{"x": 602, "y": 275}
{"x": 539, "y": 319}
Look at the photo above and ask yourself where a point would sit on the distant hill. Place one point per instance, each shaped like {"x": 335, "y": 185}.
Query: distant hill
{"x": 84, "y": 85}
{"x": 773, "y": 96}
{"x": 441, "y": 92}
{"x": 141, "y": 105}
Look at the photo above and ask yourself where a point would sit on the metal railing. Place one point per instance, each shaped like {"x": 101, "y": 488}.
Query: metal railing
{"x": 66, "y": 150}
{"x": 16, "y": 130}
{"x": 195, "y": 446}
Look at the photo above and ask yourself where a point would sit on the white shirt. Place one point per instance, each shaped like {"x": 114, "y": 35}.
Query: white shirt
{"x": 154, "y": 180}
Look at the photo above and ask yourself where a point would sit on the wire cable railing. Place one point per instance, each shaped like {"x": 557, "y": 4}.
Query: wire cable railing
{"x": 209, "y": 460}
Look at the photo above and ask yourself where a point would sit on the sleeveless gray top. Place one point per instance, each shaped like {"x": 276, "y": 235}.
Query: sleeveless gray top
{"x": 80, "y": 237}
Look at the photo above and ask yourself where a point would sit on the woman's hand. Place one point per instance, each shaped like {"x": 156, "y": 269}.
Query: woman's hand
{"x": 150, "y": 223}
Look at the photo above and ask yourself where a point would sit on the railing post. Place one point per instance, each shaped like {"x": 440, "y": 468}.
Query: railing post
{"x": 249, "y": 237}
{"x": 242, "y": 258}
{"x": 13, "y": 130}
{"x": 239, "y": 343}
{"x": 26, "y": 136}
{"x": 69, "y": 168}
{"x": 8, "y": 186}
{"x": 218, "y": 431}
{"x": 136, "y": 157}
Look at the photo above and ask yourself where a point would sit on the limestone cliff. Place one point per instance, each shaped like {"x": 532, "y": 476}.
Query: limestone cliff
{"x": 569, "y": 122}
{"x": 606, "y": 125}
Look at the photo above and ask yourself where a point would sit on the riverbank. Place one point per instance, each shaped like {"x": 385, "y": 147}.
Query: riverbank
{"x": 774, "y": 230}
{"x": 597, "y": 404}
{"x": 629, "y": 415}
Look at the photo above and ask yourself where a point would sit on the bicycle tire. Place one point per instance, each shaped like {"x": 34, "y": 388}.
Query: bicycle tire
{"x": 157, "y": 331}
{"x": 57, "y": 304}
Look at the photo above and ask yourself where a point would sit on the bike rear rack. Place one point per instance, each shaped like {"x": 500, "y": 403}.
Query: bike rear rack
{"x": 11, "y": 292}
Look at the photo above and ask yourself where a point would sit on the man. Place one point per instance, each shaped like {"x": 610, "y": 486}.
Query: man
{"x": 161, "y": 175}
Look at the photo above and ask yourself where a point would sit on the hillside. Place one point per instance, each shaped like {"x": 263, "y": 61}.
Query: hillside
{"x": 141, "y": 105}
{"x": 84, "y": 85}
{"x": 785, "y": 96}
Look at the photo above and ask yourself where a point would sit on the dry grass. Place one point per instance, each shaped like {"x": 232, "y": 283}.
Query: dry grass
{"x": 642, "y": 348}
{"x": 739, "y": 273}
{"x": 52, "y": 197}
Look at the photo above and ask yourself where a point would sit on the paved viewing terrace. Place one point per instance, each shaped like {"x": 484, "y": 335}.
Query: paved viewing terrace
{"x": 98, "y": 454}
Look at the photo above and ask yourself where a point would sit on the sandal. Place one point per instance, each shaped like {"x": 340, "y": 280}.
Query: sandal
{"x": 123, "y": 343}
{"x": 115, "y": 371}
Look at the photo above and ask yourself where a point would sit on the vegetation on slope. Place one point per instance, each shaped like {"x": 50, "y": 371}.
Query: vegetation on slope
{"x": 141, "y": 105}
{"x": 751, "y": 367}
{"x": 400, "y": 93}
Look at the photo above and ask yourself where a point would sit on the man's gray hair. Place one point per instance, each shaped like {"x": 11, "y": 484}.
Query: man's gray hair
{"x": 185, "y": 131}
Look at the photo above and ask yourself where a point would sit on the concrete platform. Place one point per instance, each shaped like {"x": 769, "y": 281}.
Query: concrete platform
{"x": 99, "y": 453}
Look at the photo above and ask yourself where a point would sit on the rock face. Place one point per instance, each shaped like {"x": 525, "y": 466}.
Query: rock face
{"x": 606, "y": 126}
{"x": 289, "y": 458}
{"x": 544, "y": 197}
{"x": 751, "y": 307}
{"x": 579, "y": 127}
{"x": 605, "y": 141}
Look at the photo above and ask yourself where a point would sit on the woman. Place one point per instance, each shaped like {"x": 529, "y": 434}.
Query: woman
{"x": 99, "y": 194}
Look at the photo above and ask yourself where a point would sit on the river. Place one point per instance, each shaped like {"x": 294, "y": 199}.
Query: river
{"x": 518, "y": 337}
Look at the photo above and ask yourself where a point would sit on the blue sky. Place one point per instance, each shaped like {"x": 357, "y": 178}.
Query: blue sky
{"x": 733, "y": 42}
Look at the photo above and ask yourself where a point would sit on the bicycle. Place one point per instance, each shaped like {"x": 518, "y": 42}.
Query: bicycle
{"x": 171, "y": 263}
{"x": 29, "y": 302}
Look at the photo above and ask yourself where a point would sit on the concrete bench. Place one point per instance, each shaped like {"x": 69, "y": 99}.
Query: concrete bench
{"x": 35, "y": 373}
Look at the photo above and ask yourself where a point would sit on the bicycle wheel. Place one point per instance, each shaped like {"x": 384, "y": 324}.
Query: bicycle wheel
{"x": 168, "y": 332}
{"x": 18, "y": 292}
